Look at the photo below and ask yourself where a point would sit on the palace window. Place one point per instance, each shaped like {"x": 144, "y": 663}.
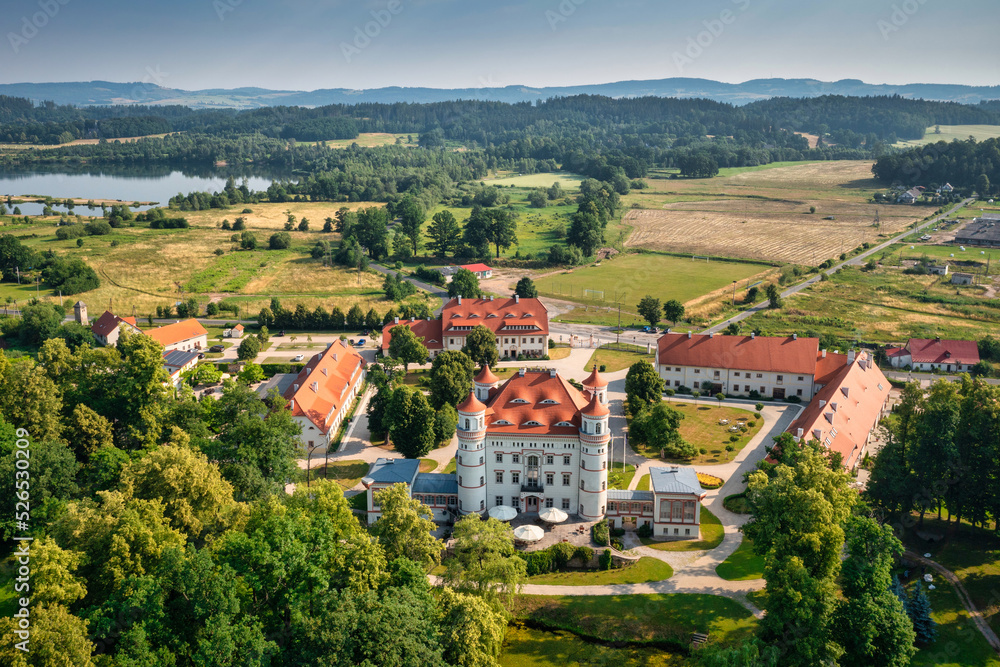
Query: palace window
{"x": 549, "y": 478}
{"x": 566, "y": 477}
{"x": 499, "y": 458}
{"x": 499, "y": 476}
{"x": 549, "y": 502}
{"x": 499, "y": 500}
{"x": 548, "y": 459}
{"x": 566, "y": 460}
{"x": 515, "y": 477}
{"x": 565, "y": 503}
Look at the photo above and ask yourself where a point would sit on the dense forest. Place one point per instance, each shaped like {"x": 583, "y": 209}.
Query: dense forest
{"x": 965, "y": 164}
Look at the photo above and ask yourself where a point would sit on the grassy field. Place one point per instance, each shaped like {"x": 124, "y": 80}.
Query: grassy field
{"x": 428, "y": 465}
{"x": 345, "y": 473}
{"x": 764, "y": 213}
{"x": 565, "y": 180}
{"x": 616, "y": 360}
{"x": 619, "y": 478}
{"x": 632, "y": 276}
{"x": 370, "y": 139}
{"x": 671, "y": 617}
{"x": 951, "y": 133}
{"x": 643, "y": 483}
{"x": 883, "y": 306}
{"x": 959, "y": 643}
{"x": 701, "y": 428}
{"x": 742, "y": 564}
{"x": 646, "y": 569}
{"x": 712, "y": 534}
{"x": 526, "y": 647}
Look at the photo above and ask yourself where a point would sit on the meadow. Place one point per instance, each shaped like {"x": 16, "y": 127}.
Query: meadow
{"x": 952, "y": 133}
{"x": 543, "y": 180}
{"x": 370, "y": 139}
{"x": 764, "y": 213}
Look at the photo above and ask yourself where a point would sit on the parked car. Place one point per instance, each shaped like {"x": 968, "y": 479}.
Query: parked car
{"x": 360, "y": 343}
{"x": 298, "y": 357}
{"x": 201, "y": 355}
{"x": 217, "y": 348}
{"x": 649, "y": 330}
{"x": 281, "y": 333}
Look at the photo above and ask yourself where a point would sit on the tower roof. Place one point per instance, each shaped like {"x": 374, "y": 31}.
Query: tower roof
{"x": 471, "y": 404}
{"x": 486, "y": 376}
{"x": 594, "y": 379}
{"x": 595, "y": 408}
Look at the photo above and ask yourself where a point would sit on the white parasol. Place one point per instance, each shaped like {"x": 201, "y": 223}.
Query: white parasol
{"x": 528, "y": 533}
{"x": 553, "y": 515}
{"x": 503, "y": 513}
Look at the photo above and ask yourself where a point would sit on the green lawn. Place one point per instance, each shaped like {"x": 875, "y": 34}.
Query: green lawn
{"x": 346, "y": 473}
{"x": 970, "y": 259}
{"x": 712, "y": 534}
{"x": 616, "y": 360}
{"x": 619, "y": 478}
{"x": 701, "y": 428}
{"x": 428, "y": 465}
{"x": 670, "y": 617}
{"x": 450, "y": 468}
{"x": 646, "y": 569}
{"x": 959, "y": 643}
{"x": 952, "y": 132}
{"x": 635, "y": 275}
{"x": 742, "y": 564}
{"x": 566, "y": 180}
{"x": 643, "y": 484}
{"x": 736, "y": 503}
{"x": 526, "y": 647}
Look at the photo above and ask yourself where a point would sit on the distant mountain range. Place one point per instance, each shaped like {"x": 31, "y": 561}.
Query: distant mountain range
{"x": 87, "y": 93}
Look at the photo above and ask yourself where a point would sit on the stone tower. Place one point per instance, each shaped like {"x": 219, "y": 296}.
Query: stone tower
{"x": 80, "y": 313}
{"x": 470, "y": 460}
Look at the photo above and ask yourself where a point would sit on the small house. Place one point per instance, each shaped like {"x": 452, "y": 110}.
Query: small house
{"x": 910, "y": 196}
{"x": 234, "y": 332}
{"x": 938, "y": 269}
{"x": 481, "y": 270}
{"x": 961, "y": 278}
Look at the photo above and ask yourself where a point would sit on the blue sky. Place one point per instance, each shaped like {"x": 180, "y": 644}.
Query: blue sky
{"x": 300, "y": 44}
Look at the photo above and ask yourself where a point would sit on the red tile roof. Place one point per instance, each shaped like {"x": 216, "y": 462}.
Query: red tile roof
{"x": 939, "y": 351}
{"x": 429, "y": 330}
{"x": 595, "y": 380}
{"x": 761, "y": 353}
{"x": 177, "y": 332}
{"x": 595, "y": 408}
{"x": 471, "y": 404}
{"x": 541, "y": 397}
{"x": 486, "y": 376}
{"x": 829, "y": 367}
{"x": 322, "y": 388}
{"x": 108, "y": 322}
{"x": 502, "y": 316}
{"x": 859, "y": 391}
{"x": 476, "y": 268}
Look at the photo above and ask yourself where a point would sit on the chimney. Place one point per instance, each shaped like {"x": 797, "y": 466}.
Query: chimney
{"x": 491, "y": 297}
{"x": 711, "y": 335}
{"x": 752, "y": 335}
{"x": 799, "y": 432}
{"x": 520, "y": 372}
{"x": 795, "y": 336}
{"x": 295, "y": 387}
{"x": 395, "y": 321}
{"x": 824, "y": 354}
{"x": 689, "y": 334}
{"x": 850, "y": 357}
{"x": 822, "y": 402}
{"x": 293, "y": 404}
{"x": 460, "y": 299}
{"x": 314, "y": 386}
{"x": 552, "y": 372}
{"x": 517, "y": 298}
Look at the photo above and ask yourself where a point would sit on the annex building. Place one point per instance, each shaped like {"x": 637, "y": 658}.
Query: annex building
{"x": 672, "y": 509}
{"x": 321, "y": 394}
{"x": 521, "y": 326}
{"x": 982, "y": 231}
{"x": 926, "y": 354}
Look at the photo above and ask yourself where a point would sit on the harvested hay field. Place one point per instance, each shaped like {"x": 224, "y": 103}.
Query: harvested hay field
{"x": 764, "y": 214}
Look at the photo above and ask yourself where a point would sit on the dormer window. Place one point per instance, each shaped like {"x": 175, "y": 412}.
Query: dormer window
{"x": 563, "y": 424}
{"x": 491, "y": 315}
{"x": 503, "y": 422}
{"x": 473, "y": 315}
{"x": 508, "y": 315}
{"x": 549, "y": 401}
{"x": 532, "y": 423}
{"x": 518, "y": 400}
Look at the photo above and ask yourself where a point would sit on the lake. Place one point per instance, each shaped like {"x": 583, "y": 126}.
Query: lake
{"x": 127, "y": 187}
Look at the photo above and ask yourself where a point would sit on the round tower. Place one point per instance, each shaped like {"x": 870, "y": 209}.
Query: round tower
{"x": 594, "y": 439}
{"x": 470, "y": 459}
{"x": 595, "y": 384}
{"x": 484, "y": 382}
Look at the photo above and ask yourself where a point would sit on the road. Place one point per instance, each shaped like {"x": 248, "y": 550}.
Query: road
{"x": 903, "y": 376}
{"x": 854, "y": 261}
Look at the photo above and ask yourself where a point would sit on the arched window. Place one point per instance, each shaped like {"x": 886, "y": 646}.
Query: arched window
{"x": 466, "y": 423}
{"x": 598, "y": 429}
{"x": 482, "y": 480}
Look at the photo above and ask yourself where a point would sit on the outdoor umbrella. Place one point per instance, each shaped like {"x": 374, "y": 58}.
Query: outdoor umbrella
{"x": 553, "y": 515}
{"x": 503, "y": 513}
{"x": 528, "y": 533}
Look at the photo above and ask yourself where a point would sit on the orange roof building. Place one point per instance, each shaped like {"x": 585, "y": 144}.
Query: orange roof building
{"x": 321, "y": 394}
{"x": 521, "y": 326}
{"x": 844, "y": 413}
{"x": 755, "y": 366}
{"x": 107, "y": 328}
{"x": 184, "y": 335}
{"x": 924, "y": 354}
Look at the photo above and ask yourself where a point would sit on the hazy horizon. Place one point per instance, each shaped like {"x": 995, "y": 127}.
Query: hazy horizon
{"x": 297, "y": 45}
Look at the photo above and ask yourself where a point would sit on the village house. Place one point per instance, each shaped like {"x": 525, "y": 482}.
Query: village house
{"x": 911, "y": 196}
{"x": 177, "y": 362}
{"x": 321, "y": 394}
{"x": 108, "y": 326}
{"x": 962, "y": 279}
{"x": 845, "y": 412}
{"x": 924, "y": 354}
{"x": 233, "y": 332}
{"x": 761, "y": 366}
{"x": 521, "y": 326}
{"x": 184, "y": 335}
{"x": 481, "y": 270}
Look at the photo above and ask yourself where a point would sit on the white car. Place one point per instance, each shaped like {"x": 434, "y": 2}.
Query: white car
{"x": 298, "y": 357}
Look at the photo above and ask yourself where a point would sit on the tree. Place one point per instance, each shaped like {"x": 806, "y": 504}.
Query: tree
{"x": 40, "y": 321}
{"x": 29, "y": 398}
{"x": 405, "y": 527}
{"x": 526, "y": 289}
{"x": 733, "y": 329}
{"x": 870, "y": 623}
{"x": 643, "y": 386}
{"x": 57, "y": 638}
{"x": 473, "y": 629}
{"x": 538, "y": 198}
{"x": 279, "y": 241}
{"x": 328, "y": 225}
{"x": 982, "y": 368}
{"x": 251, "y": 373}
{"x": 485, "y": 561}
{"x": 444, "y": 233}
{"x": 481, "y": 347}
{"x": 411, "y": 423}
{"x": 53, "y": 574}
{"x": 465, "y": 284}
{"x": 919, "y": 609}
{"x": 773, "y": 296}
{"x": 451, "y": 378}
{"x": 492, "y": 226}
{"x": 673, "y": 310}
{"x": 248, "y": 241}
{"x": 411, "y": 217}
{"x": 355, "y": 317}
{"x": 406, "y": 347}
{"x": 445, "y": 423}
{"x": 372, "y": 321}
{"x": 650, "y": 309}
{"x": 797, "y": 515}
{"x": 90, "y": 431}
{"x": 720, "y": 397}
{"x": 249, "y": 349}
{"x": 372, "y": 231}
{"x": 303, "y": 225}
{"x": 983, "y": 186}
{"x": 205, "y": 374}
{"x": 658, "y": 427}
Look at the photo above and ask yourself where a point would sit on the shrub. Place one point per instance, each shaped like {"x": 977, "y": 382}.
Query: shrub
{"x": 668, "y": 391}
{"x": 561, "y": 553}
{"x": 583, "y": 553}
{"x": 247, "y": 210}
{"x": 617, "y": 532}
{"x": 751, "y": 424}
{"x": 552, "y": 344}
{"x": 600, "y": 533}
{"x": 605, "y": 560}
{"x": 617, "y": 544}
{"x": 754, "y": 394}
{"x": 602, "y": 368}
{"x": 734, "y": 438}
{"x": 793, "y": 399}
{"x": 683, "y": 390}
{"x": 645, "y": 530}
{"x": 538, "y": 562}
{"x": 756, "y": 415}
{"x": 759, "y": 407}
{"x": 703, "y": 451}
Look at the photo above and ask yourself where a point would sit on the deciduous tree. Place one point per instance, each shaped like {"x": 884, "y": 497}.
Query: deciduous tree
{"x": 405, "y": 526}
{"x": 481, "y": 346}
{"x": 451, "y": 378}
{"x": 411, "y": 423}
{"x": 406, "y": 347}
{"x": 485, "y": 561}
